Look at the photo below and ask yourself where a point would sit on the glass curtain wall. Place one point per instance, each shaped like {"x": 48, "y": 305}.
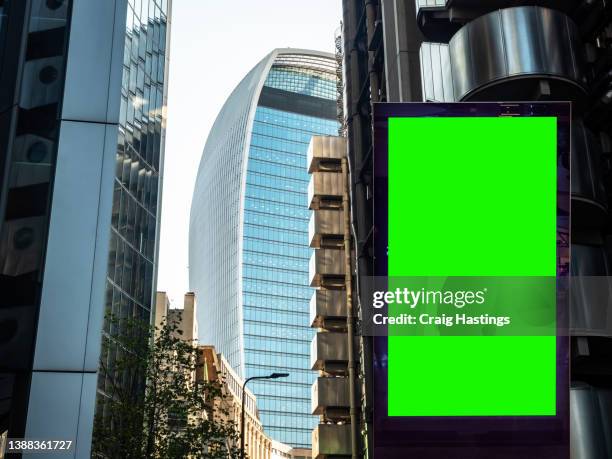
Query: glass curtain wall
{"x": 276, "y": 253}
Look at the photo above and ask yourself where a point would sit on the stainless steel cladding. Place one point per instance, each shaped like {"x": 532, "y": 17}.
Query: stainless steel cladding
{"x": 591, "y": 292}
{"x": 491, "y": 53}
{"x": 589, "y": 200}
{"x": 590, "y": 426}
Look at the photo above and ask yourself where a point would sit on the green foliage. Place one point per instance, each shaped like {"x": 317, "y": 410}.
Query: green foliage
{"x": 153, "y": 407}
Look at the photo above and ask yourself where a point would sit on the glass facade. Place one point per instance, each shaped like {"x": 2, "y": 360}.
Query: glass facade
{"x": 132, "y": 256}
{"x": 31, "y": 90}
{"x": 260, "y": 233}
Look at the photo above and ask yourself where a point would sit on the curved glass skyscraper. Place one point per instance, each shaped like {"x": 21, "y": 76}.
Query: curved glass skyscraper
{"x": 248, "y": 236}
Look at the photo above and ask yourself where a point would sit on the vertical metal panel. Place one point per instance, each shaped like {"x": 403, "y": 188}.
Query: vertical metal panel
{"x": 103, "y": 232}
{"x": 89, "y": 61}
{"x": 53, "y": 411}
{"x": 64, "y": 311}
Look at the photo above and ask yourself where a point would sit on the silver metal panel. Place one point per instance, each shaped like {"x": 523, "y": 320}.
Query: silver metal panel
{"x": 98, "y": 283}
{"x": 324, "y": 148}
{"x": 53, "y": 409}
{"x": 328, "y": 347}
{"x": 66, "y": 292}
{"x": 587, "y": 440}
{"x": 436, "y": 73}
{"x": 591, "y": 292}
{"x": 525, "y": 41}
{"x": 88, "y": 71}
{"x": 589, "y": 199}
{"x": 430, "y": 4}
{"x": 427, "y": 73}
{"x": 325, "y": 223}
{"x": 329, "y": 393}
{"x": 605, "y": 410}
{"x": 331, "y": 440}
{"x": 326, "y": 304}
{"x": 86, "y": 415}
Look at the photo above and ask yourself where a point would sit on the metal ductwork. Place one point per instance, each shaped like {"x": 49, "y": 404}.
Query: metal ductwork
{"x": 591, "y": 292}
{"x": 325, "y": 190}
{"x": 328, "y": 309}
{"x": 331, "y": 440}
{"x": 493, "y": 56}
{"x": 589, "y": 199}
{"x": 330, "y": 397}
{"x": 326, "y": 229}
{"x": 329, "y": 352}
{"x": 327, "y": 268}
{"x": 325, "y": 153}
{"x": 590, "y": 422}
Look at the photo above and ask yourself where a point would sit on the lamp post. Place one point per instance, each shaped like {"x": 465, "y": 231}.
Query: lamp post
{"x": 272, "y": 376}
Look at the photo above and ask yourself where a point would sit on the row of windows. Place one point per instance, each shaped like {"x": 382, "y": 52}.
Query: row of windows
{"x": 288, "y": 363}
{"x": 286, "y": 420}
{"x": 276, "y": 331}
{"x": 302, "y": 379}
{"x": 266, "y": 219}
{"x": 279, "y": 170}
{"x": 298, "y": 81}
{"x": 282, "y": 321}
{"x": 282, "y": 132}
{"x": 274, "y": 302}
{"x": 272, "y": 344}
{"x": 276, "y": 288}
{"x": 275, "y": 261}
{"x": 277, "y": 275}
{"x": 318, "y": 126}
{"x": 277, "y": 208}
{"x": 266, "y": 154}
{"x": 289, "y": 198}
{"x": 280, "y": 248}
{"x": 280, "y": 145}
{"x": 284, "y": 405}
{"x": 280, "y": 183}
{"x": 299, "y": 438}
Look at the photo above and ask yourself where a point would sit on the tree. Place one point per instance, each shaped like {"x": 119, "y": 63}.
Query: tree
{"x": 153, "y": 406}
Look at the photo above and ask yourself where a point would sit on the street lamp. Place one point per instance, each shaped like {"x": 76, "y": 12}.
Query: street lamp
{"x": 272, "y": 376}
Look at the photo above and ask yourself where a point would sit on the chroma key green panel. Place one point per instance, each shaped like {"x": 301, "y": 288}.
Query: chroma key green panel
{"x": 472, "y": 197}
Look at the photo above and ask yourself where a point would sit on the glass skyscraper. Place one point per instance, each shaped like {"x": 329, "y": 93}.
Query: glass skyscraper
{"x": 82, "y": 91}
{"x": 248, "y": 238}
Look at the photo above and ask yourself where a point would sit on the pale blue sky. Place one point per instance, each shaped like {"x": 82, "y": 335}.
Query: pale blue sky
{"x": 213, "y": 45}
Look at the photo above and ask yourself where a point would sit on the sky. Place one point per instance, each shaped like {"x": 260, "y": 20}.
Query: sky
{"x": 213, "y": 45}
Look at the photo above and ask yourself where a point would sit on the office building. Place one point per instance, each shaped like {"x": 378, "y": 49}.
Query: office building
{"x": 213, "y": 367}
{"x": 496, "y": 50}
{"x": 82, "y": 96}
{"x": 282, "y": 451}
{"x": 257, "y": 444}
{"x": 248, "y": 247}
{"x": 184, "y": 318}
